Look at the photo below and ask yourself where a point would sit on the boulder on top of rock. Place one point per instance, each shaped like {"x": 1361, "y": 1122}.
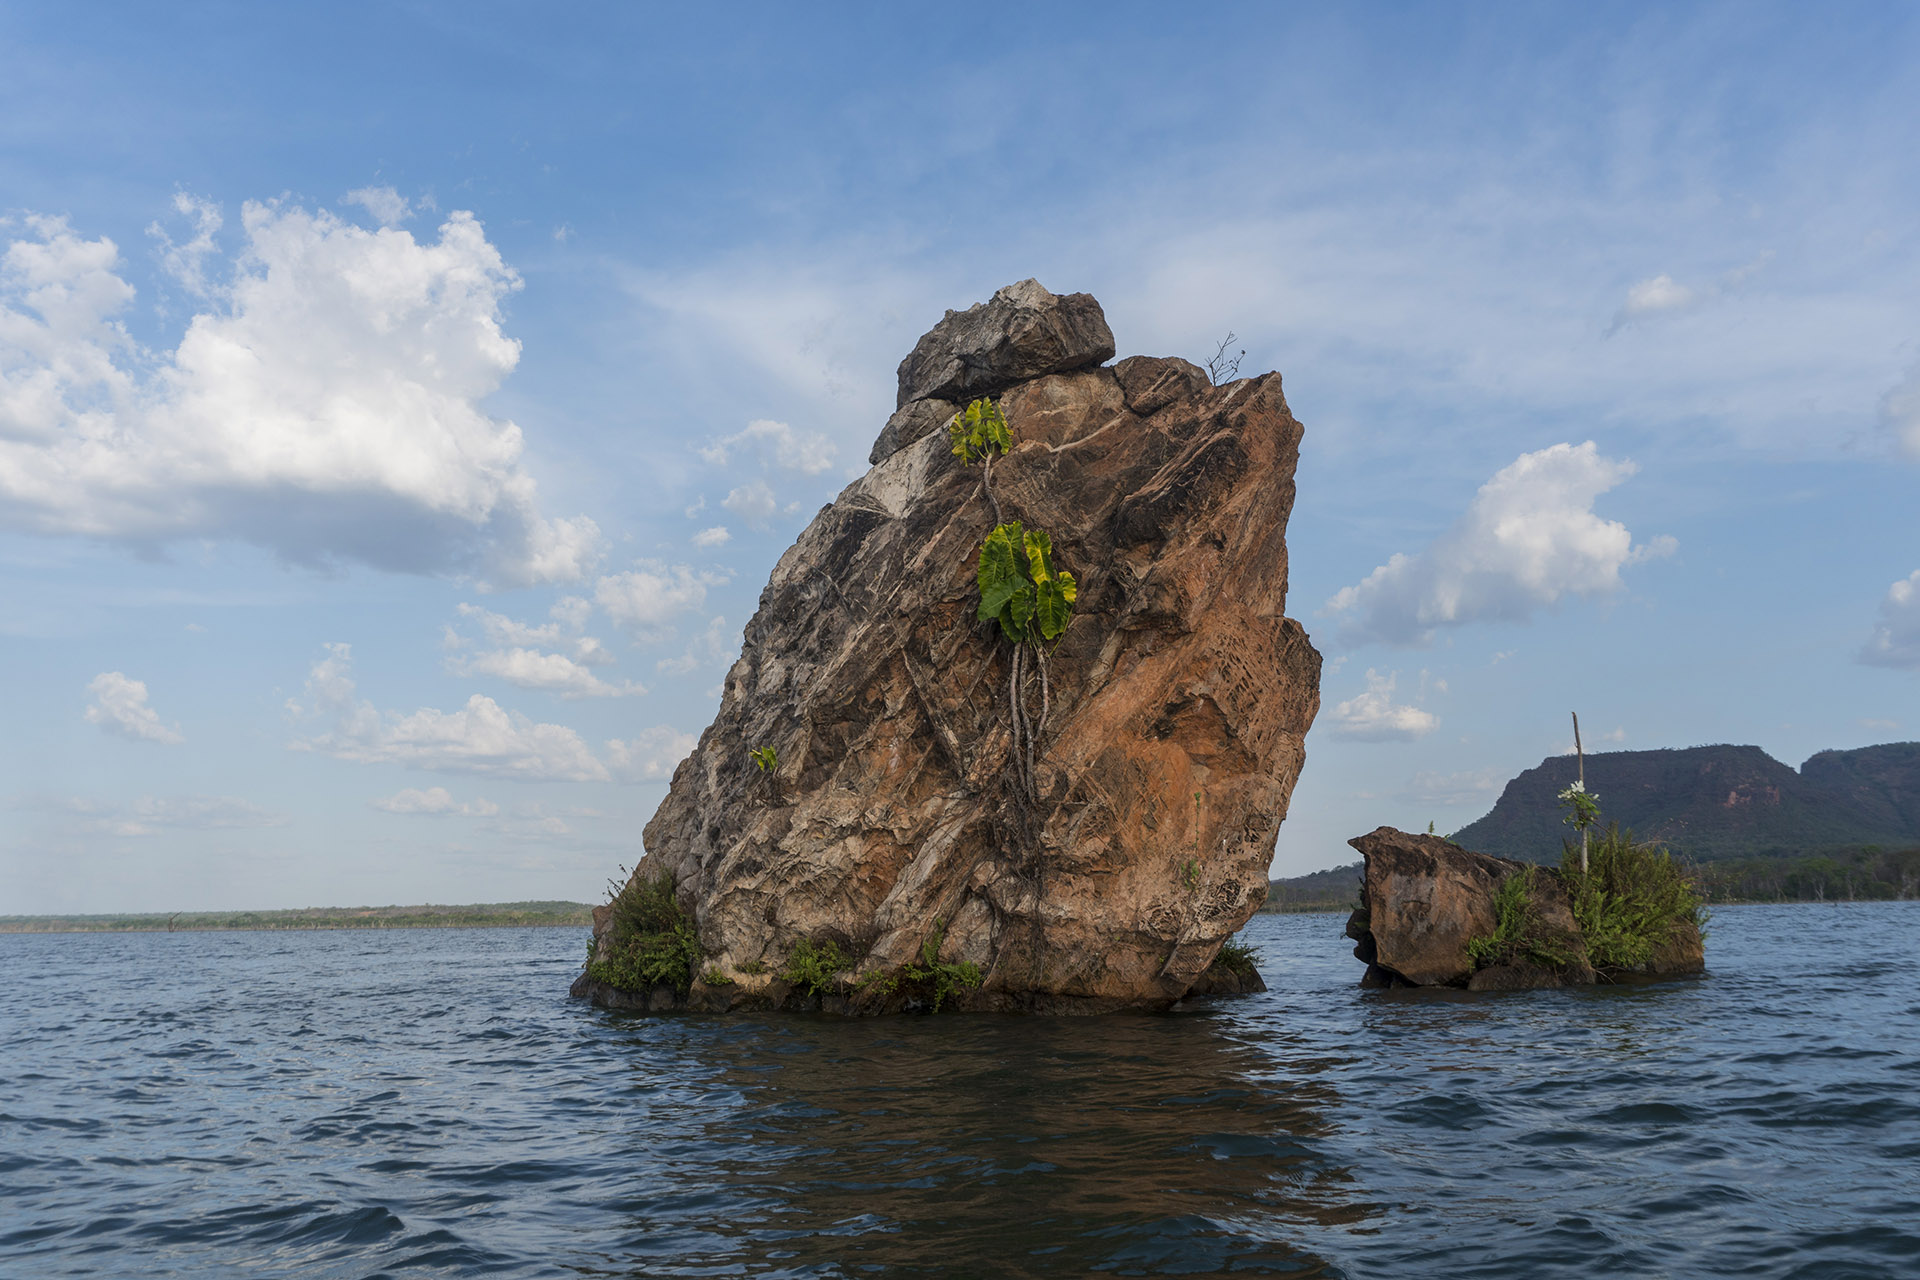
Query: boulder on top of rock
{"x": 1023, "y": 332}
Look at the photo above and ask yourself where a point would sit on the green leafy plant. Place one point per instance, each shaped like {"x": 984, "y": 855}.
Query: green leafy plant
{"x": 765, "y": 757}
{"x": 755, "y": 967}
{"x": 650, "y": 939}
{"x": 1517, "y": 934}
{"x": 1631, "y": 900}
{"x": 812, "y": 965}
{"x": 1020, "y": 589}
{"x": 1190, "y": 873}
{"x": 978, "y": 432}
{"x": 928, "y": 978}
{"x": 1240, "y": 956}
{"x": 1019, "y": 586}
{"x": 714, "y": 978}
{"x": 1033, "y": 603}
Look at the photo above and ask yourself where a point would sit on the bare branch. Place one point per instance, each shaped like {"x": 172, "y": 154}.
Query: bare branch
{"x": 1221, "y": 368}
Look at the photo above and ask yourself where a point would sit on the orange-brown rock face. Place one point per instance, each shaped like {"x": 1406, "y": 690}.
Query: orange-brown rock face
{"x": 1178, "y": 698}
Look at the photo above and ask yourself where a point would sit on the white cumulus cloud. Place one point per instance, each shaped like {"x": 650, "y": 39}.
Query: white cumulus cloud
{"x": 1374, "y": 716}
{"x": 1895, "y": 641}
{"x": 714, "y": 537}
{"x": 650, "y": 755}
{"x": 325, "y": 403}
{"x": 1529, "y": 537}
{"x": 120, "y": 707}
{"x": 649, "y": 596}
{"x": 434, "y": 802}
{"x": 480, "y": 738}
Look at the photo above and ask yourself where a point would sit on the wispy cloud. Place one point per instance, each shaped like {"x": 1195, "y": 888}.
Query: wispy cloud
{"x": 434, "y": 802}
{"x": 120, "y": 707}
{"x": 1895, "y": 640}
{"x": 650, "y": 754}
{"x": 777, "y": 445}
{"x": 719, "y": 643}
{"x": 150, "y": 814}
{"x": 527, "y": 659}
{"x": 480, "y": 738}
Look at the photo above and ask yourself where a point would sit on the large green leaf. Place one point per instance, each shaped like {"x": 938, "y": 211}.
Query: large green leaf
{"x": 999, "y": 571}
{"x": 1019, "y": 587}
{"x": 1051, "y": 610}
{"x": 1013, "y": 620}
{"x": 1039, "y": 555}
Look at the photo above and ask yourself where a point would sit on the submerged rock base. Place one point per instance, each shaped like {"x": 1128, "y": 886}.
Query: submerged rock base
{"x": 748, "y": 994}
{"x": 1424, "y": 900}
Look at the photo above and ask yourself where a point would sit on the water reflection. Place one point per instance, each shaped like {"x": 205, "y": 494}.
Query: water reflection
{"x": 1000, "y": 1146}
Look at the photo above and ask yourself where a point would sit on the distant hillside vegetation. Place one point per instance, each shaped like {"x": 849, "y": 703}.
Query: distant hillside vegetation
{"x": 1334, "y": 890}
{"x": 428, "y": 916}
{"x": 1719, "y": 802}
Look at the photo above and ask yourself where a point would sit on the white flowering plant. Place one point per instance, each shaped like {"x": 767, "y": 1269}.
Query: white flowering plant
{"x": 1583, "y": 806}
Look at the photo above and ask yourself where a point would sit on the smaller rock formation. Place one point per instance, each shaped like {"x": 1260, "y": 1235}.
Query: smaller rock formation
{"x": 1426, "y": 901}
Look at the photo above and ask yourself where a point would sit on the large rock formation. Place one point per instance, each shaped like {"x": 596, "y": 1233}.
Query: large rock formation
{"x": 892, "y": 824}
{"x": 1424, "y": 899}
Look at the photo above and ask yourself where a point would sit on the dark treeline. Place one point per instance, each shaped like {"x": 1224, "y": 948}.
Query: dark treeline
{"x": 1334, "y": 890}
{"x": 1865, "y": 873}
{"x": 1868, "y": 873}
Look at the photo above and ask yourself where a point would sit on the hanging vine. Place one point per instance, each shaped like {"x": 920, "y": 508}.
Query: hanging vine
{"x": 1019, "y": 588}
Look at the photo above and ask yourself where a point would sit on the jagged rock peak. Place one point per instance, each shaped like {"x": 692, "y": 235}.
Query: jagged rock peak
{"x": 1104, "y": 869}
{"x": 1022, "y": 332}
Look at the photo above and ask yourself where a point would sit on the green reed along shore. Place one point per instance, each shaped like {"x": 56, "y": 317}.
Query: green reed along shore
{"x": 427, "y": 916}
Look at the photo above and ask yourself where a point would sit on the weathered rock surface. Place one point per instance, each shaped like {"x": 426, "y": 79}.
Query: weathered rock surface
{"x": 1424, "y": 898}
{"x": 917, "y": 419}
{"x": 1023, "y": 332}
{"x": 1180, "y": 698}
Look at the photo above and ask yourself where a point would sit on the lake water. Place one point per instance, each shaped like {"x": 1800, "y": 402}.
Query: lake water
{"x": 428, "y": 1102}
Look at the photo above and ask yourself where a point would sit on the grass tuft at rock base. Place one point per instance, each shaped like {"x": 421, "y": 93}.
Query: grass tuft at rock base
{"x": 1632, "y": 900}
{"x": 650, "y": 941}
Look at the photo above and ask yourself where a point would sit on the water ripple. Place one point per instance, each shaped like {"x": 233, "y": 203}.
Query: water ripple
{"x": 425, "y": 1103}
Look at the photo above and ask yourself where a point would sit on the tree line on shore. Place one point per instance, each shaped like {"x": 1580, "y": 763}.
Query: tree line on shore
{"x": 1864, "y": 873}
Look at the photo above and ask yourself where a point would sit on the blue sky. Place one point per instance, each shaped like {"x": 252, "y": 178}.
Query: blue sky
{"x": 401, "y": 406}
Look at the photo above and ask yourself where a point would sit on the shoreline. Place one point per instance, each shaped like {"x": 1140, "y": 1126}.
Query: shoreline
{"x": 501, "y": 915}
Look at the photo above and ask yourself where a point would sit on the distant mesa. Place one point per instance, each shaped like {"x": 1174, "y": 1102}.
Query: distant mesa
{"x": 1717, "y": 802}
